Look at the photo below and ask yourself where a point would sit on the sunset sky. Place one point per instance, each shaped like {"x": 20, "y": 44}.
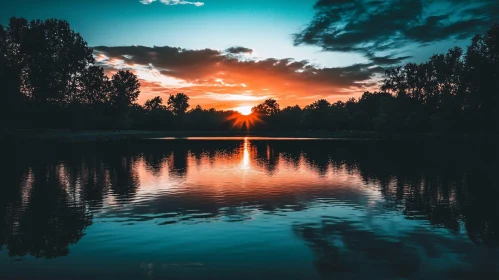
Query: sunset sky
{"x": 226, "y": 53}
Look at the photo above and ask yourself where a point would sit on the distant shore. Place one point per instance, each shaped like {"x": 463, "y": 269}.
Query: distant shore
{"x": 69, "y": 136}
{"x": 82, "y": 136}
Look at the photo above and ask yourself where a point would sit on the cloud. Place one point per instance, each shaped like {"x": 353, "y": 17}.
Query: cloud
{"x": 232, "y": 97}
{"x": 173, "y": 2}
{"x": 373, "y": 26}
{"x": 387, "y": 60}
{"x": 218, "y": 78}
{"x": 239, "y": 50}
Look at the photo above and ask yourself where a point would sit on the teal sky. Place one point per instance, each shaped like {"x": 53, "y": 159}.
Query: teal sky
{"x": 295, "y": 51}
{"x": 266, "y": 26}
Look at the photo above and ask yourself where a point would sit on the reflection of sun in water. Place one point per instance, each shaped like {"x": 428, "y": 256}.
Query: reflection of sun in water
{"x": 246, "y": 155}
{"x": 244, "y": 110}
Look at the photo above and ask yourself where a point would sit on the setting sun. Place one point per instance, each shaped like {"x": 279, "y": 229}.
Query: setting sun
{"x": 244, "y": 110}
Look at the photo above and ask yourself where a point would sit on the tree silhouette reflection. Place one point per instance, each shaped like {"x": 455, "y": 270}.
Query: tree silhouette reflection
{"x": 50, "y": 220}
{"x": 123, "y": 177}
{"x": 155, "y": 160}
{"x": 266, "y": 155}
{"x": 179, "y": 164}
{"x": 51, "y": 192}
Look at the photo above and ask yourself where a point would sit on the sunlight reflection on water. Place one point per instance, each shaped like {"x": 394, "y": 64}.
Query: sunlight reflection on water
{"x": 246, "y": 207}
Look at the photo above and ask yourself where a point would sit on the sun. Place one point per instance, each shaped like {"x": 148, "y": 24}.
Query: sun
{"x": 244, "y": 110}
{"x": 243, "y": 118}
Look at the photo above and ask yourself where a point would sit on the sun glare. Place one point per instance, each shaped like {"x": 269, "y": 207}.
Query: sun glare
{"x": 244, "y": 110}
{"x": 244, "y": 120}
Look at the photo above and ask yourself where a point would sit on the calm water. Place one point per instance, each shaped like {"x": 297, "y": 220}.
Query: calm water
{"x": 236, "y": 208}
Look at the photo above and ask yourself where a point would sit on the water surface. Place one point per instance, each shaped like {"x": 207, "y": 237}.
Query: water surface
{"x": 249, "y": 208}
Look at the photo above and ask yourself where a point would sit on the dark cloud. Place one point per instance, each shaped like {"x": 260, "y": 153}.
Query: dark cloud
{"x": 221, "y": 72}
{"x": 198, "y": 64}
{"x": 386, "y": 60}
{"x": 238, "y": 50}
{"x": 370, "y": 26}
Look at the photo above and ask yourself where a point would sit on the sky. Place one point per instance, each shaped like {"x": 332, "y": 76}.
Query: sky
{"x": 226, "y": 54}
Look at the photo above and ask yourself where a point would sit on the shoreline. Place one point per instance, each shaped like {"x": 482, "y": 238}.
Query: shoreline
{"x": 68, "y": 136}
{"x": 88, "y": 136}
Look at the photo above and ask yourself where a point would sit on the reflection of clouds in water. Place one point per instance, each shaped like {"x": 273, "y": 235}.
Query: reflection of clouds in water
{"x": 351, "y": 249}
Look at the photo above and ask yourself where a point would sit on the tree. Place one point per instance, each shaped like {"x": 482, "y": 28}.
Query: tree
{"x": 316, "y": 115}
{"x": 338, "y": 116}
{"x": 289, "y": 117}
{"x": 269, "y": 107}
{"x": 154, "y": 104}
{"x": 125, "y": 89}
{"x": 178, "y": 103}
{"x": 12, "y": 58}
{"x": 319, "y": 105}
{"x": 482, "y": 78}
{"x": 94, "y": 88}
{"x": 122, "y": 95}
{"x": 9, "y": 88}
{"x": 48, "y": 58}
{"x": 389, "y": 118}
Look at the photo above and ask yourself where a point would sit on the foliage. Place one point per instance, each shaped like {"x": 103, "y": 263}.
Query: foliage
{"x": 154, "y": 104}
{"x": 50, "y": 80}
{"x": 125, "y": 90}
{"x": 178, "y": 103}
{"x": 269, "y": 107}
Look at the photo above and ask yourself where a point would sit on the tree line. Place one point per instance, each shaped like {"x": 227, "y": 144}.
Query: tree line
{"x": 453, "y": 92}
{"x": 49, "y": 79}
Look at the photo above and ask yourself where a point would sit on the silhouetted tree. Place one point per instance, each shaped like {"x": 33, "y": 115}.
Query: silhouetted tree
{"x": 125, "y": 89}
{"x": 41, "y": 62}
{"x": 289, "y": 117}
{"x": 95, "y": 87}
{"x": 481, "y": 78}
{"x": 154, "y": 104}
{"x": 269, "y": 107}
{"x": 178, "y": 103}
{"x": 124, "y": 92}
{"x": 320, "y": 104}
{"x": 11, "y": 60}
{"x": 49, "y": 58}
{"x": 10, "y": 94}
{"x": 153, "y": 115}
{"x": 316, "y": 115}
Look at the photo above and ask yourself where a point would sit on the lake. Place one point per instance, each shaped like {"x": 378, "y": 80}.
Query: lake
{"x": 250, "y": 208}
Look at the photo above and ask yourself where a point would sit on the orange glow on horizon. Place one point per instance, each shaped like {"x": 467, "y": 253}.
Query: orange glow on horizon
{"x": 225, "y": 83}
